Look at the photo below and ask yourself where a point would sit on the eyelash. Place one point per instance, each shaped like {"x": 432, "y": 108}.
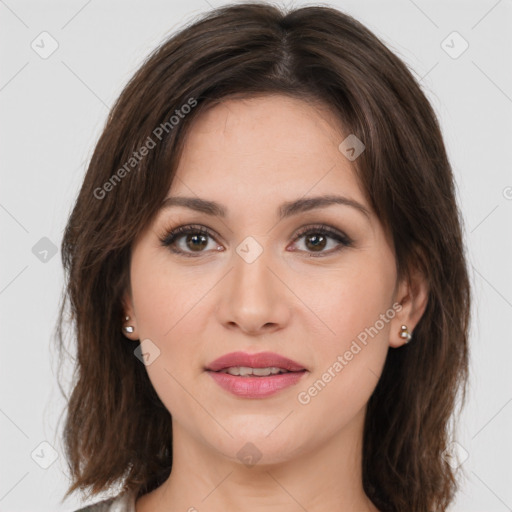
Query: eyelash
{"x": 170, "y": 237}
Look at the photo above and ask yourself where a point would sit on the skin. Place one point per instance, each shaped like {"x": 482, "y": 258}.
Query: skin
{"x": 252, "y": 155}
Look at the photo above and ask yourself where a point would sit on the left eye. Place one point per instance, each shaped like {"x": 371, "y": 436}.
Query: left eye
{"x": 195, "y": 238}
{"x": 316, "y": 239}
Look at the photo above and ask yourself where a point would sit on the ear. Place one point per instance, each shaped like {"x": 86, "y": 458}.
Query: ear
{"x": 412, "y": 295}
{"x": 129, "y": 311}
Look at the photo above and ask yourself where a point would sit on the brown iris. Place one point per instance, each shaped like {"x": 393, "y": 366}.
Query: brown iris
{"x": 198, "y": 241}
{"x": 318, "y": 242}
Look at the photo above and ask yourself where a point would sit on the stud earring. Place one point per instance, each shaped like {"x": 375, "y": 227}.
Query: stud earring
{"x": 404, "y": 333}
{"x": 128, "y": 328}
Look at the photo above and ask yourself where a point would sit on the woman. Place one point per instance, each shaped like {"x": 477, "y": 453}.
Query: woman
{"x": 267, "y": 279}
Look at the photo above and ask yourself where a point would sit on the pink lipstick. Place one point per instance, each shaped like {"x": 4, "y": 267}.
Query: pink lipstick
{"x": 255, "y": 375}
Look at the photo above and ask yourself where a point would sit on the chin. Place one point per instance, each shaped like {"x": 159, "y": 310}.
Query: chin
{"x": 263, "y": 444}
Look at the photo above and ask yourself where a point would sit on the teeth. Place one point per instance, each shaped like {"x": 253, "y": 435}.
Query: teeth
{"x": 244, "y": 371}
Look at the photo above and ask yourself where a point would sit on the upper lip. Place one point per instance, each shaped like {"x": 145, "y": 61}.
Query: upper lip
{"x": 259, "y": 360}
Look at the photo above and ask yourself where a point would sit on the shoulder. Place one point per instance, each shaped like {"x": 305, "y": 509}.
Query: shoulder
{"x": 124, "y": 502}
{"x": 100, "y": 506}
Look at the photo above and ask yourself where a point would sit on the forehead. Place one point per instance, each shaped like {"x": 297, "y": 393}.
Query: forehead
{"x": 266, "y": 148}
{"x": 273, "y": 122}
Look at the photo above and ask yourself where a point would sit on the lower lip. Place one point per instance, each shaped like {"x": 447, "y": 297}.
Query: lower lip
{"x": 256, "y": 387}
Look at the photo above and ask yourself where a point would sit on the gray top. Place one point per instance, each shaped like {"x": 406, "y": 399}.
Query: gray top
{"x": 124, "y": 502}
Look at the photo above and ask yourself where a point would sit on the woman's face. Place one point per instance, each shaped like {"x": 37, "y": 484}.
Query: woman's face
{"x": 266, "y": 277}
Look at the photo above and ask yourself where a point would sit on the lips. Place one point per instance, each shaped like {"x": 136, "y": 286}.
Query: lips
{"x": 255, "y": 386}
{"x": 260, "y": 360}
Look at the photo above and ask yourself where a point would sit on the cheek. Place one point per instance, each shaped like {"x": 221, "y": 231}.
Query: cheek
{"x": 151, "y": 297}
{"x": 346, "y": 300}
{"x": 167, "y": 304}
{"x": 349, "y": 361}
{"x": 354, "y": 304}
{"x": 363, "y": 298}
{"x": 164, "y": 298}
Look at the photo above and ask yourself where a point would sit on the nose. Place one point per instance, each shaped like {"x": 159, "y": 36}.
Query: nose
{"x": 254, "y": 297}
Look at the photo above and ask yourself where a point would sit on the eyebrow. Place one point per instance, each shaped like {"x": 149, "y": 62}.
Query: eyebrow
{"x": 287, "y": 209}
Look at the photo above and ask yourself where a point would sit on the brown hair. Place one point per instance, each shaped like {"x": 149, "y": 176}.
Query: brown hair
{"x": 117, "y": 429}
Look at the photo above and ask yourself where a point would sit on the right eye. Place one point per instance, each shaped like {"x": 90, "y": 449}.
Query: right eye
{"x": 195, "y": 237}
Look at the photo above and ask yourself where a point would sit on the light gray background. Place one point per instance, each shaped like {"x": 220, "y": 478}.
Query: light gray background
{"x": 52, "y": 111}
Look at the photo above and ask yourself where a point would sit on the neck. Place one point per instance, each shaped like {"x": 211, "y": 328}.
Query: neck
{"x": 325, "y": 478}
